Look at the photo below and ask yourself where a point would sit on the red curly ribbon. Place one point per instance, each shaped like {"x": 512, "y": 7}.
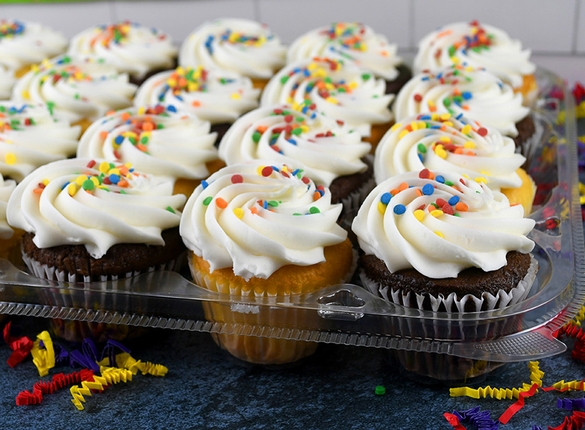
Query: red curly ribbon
{"x": 519, "y": 404}
{"x": 20, "y": 346}
{"x": 576, "y": 421}
{"x": 58, "y": 381}
{"x": 453, "y": 421}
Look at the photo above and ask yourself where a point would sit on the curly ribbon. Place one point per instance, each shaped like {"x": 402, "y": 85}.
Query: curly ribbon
{"x": 43, "y": 353}
{"x": 453, "y": 420}
{"x": 126, "y": 361}
{"x": 571, "y": 404}
{"x": 20, "y": 346}
{"x": 58, "y": 381}
{"x": 109, "y": 376}
{"x": 519, "y": 404}
{"x": 478, "y": 418}
{"x": 575, "y": 421}
{"x": 572, "y": 329}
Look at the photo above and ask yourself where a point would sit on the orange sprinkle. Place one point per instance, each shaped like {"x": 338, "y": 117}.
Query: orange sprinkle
{"x": 125, "y": 116}
{"x": 103, "y": 134}
{"x": 123, "y": 183}
{"x": 148, "y": 126}
{"x": 38, "y": 190}
{"x": 403, "y": 186}
{"x": 262, "y": 128}
{"x": 221, "y": 203}
{"x": 459, "y": 150}
{"x": 316, "y": 195}
{"x": 195, "y": 103}
{"x": 461, "y": 207}
{"x": 254, "y": 210}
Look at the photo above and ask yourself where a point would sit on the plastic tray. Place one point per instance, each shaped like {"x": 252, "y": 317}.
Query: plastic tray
{"x": 348, "y": 314}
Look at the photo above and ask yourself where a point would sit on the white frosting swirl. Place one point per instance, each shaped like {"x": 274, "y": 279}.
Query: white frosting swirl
{"x": 337, "y": 89}
{"x": 445, "y": 143}
{"x": 24, "y": 43}
{"x": 476, "y": 93}
{"x": 237, "y": 45}
{"x": 31, "y": 136}
{"x": 94, "y": 203}
{"x": 470, "y": 226}
{"x": 319, "y": 145}
{"x": 216, "y": 96}
{"x": 154, "y": 140}
{"x": 349, "y": 41}
{"x": 7, "y": 81}
{"x": 6, "y": 188}
{"x": 475, "y": 45}
{"x": 127, "y": 46}
{"x": 75, "y": 90}
{"x": 257, "y": 217}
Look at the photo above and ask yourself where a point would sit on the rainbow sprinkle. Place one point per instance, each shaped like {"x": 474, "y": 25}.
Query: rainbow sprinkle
{"x": 118, "y": 34}
{"x": 236, "y": 38}
{"x": 477, "y": 40}
{"x": 348, "y": 35}
{"x": 9, "y": 29}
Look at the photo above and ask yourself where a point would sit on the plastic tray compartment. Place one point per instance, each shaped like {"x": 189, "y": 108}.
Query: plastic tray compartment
{"x": 348, "y": 314}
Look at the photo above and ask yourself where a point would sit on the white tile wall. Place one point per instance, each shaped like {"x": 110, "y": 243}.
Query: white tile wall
{"x": 553, "y": 29}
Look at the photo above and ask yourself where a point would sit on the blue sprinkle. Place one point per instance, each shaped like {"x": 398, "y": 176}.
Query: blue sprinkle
{"x": 292, "y": 141}
{"x": 399, "y": 209}
{"x": 458, "y": 117}
{"x": 428, "y": 189}
{"x": 421, "y": 158}
{"x": 440, "y": 179}
{"x": 265, "y": 204}
{"x": 65, "y": 185}
{"x": 425, "y": 78}
{"x": 204, "y": 184}
{"x": 179, "y": 98}
{"x": 119, "y": 139}
{"x": 454, "y": 200}
{"x": 386, "y": 197}
{"x": 171, "y": 108}
{"x": 466, "y": 95}
{"x": 425, "y": 117}
{"x": 114, "y": 179}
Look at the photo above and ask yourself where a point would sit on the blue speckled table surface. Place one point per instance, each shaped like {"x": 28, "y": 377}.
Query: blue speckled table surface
{"x": 206, "y": 388}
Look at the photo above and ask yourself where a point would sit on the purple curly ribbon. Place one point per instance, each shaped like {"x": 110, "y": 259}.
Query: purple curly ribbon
{"x": 480, "y": 419}
{"x": 571, "y": 404}
{"x": 110, "y": 350}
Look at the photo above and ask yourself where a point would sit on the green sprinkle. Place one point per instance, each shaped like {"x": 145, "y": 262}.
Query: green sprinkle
{"x": 144, "y": 139}
{"x": 297, "y": 131}
{"x": 380, "y": 390}
{"x": 273, "y": 203}
{"x": 449, "y": 183}
{"x": 256, "y": 136}
{"x": 170, "y": 209}
{"x": 207, "y": 200}
{"x": 421, "y": 148}
{"x": 88, "y": 185}
{"x": 284, "y": 79}
{"x": 366, "y": 76}
{"x": 159, "y": 126}
{"x": 314, "y": 210}
{"x": 50, "y": 106}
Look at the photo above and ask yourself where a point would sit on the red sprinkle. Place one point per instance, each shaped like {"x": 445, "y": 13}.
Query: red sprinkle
{"x": 482, "y": 131}
{"x": 237, "y": 179}
{"x": 91, "y": 164}
{"x": 424, "y": 174}
{"x": 417, "y": 98}
{"x": 267, "y": 171}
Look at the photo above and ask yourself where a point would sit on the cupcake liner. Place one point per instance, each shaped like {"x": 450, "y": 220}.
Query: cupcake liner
{"x": 352, "y": 202}
{"x": 241, "y": 319}
{"x": 529, "y": 148}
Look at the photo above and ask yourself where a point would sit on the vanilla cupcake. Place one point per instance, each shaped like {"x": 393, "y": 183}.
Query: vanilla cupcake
{"x": 352, "y": 41}
{"x": 328, "y": 152}
{"x": 454, "y": 144}
{"x": 337, "y": 89}
{"x": 242, "y": 46}
{"x": 31, "y": 136}
{"x": 79, "y": 92}
{"x": 156, "y": 140}
{"x": 128, "y": 47}
{"x": 264, "y": 233}
{"x": 214, "y": 95}
{"x": 477, "y": 94}
{"x": 24, "y": 44}
{"x": 480, "y": 46}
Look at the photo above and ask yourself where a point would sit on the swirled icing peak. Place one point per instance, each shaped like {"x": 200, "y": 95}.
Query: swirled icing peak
{"x": 350, "y": 41}
{"x": 157, "y": 140}
{"x": 336, "y": 88}
{"x": 6, "y": 188}
{"x": 476, "y": 93}
{"x": 216, "y": 96}
{"x": 257, "y": 217}
{"x": 94, "y": 203}
{"x": 246, "y": 47}
{"x": 127, "y": 46}
{"x": 448, "y": 143}
{"x": 440, "y": 224}
{"x": 75, "y": 90}
{"x": 477, "y": 45}
{"x": 24, "y": 43}
{"x": 322, "y": 147}
{"x": 30, "y": 136}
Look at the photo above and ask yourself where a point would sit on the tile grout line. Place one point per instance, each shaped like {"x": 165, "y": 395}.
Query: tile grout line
{"x": 575, "y": 28}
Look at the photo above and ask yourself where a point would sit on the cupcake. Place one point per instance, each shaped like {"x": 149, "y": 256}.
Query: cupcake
{"x": 477, "y": 94}
{"x": 453, "y": 143}
{"x": 24, "y": 44}
{"x": 126, "y": 46}
{"x": 242, "y": 46}
{"x": 155, "y": 140}
{"x": 264, "y": 233}
{"x": 213, "y": 95}
{"x": 92, "y": 220}
{"x": 480, "y": 46}
{"x": 329, "y": 153}
{"x": 9, "y": 237}
{"x": 338, "y": 89}
{"x": 445, "y": 245}
{"x": 31, "y": 136}
{"x": 79, "y": 92}
{"x": 352, "y": 41}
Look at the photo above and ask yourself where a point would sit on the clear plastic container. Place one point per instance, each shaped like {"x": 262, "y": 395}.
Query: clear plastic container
{"x": 430, "y": 345}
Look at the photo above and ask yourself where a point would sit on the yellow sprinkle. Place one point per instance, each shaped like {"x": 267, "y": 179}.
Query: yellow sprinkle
{"x": 10, "y": 158}
{"x": 437, "y": 213}
{"x": 440, "y": 151}
{"x": 353, "y": 85}
{"x": 289, "y": 100}
{"x": 180, "y": 70}
{"x": 435, "y": 117}
{"x": 454, "y": 60}
{"x": 466, "y": 129}
{"x": 448, "y": 123}
{"x": 382, "y": 208}
{"x": 414, "y": 125}
{"x": 445, "y": 116}
{"x": 481, "y": 180}
{"x": 95, "y": 180}
{"x": 80, "y": 180}
{"x": 419, "y": 214}
{"x": 45, "y": 182}
{"x": 331, "y": 100}
{"x": 236, "y": 96}
{"x": 469, "y": 144}
{"x": 104, "y": 167}
{"x": 438, "y": 233}
{"x": 114, "y": 171}
{"x": 395, "y": 126}
{"x": 239, "y": 212}
{"x": 141, "y": 110}
{"x": 35, "y": 68}
{"x": 403, "y": 133}
{"x": 445, "y": 139}
{"x": 72, "y": 188}
{"x": 312, "y": 66}
{"x": 25, "y": 95}
{"x": 304, "y": 128}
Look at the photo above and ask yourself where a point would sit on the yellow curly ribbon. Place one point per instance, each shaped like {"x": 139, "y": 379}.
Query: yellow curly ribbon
{"x": 126, "y": 361}
{"x": 43, "y": 358}
{"x": 109, "y": 376}
{"x": 571, "y": 385}
{"x": 501, "y": 393}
